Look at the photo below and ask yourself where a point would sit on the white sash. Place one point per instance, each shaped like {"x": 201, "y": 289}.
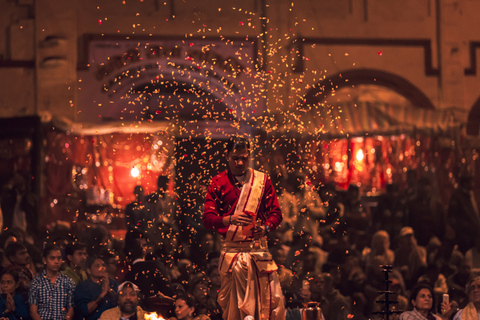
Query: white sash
{"x": 249, "y": 201}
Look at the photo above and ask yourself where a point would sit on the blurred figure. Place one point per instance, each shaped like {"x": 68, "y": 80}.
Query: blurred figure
{"x": 19, "y": 205}
{"x": 20, "y": 260}
{"x": 214, "y": 280}
{"x": 463, "y": 214}
{"x": 136, "y": 212}
{"x": 285, "y": 275}
{"x": 333, "y": 226}
{"x": 112, "y": 261}
{"x": 457, "y": 283}
{"x": 287, "y": 204}
{"x": 205, "y": 305}
{"x": 160, "y": 204}
{"x": 207, "y": 245}
{"x": 472, "y": 257}
{"x": 334, "y": 305}
{"x": 309, "y": 206}
{"x": 410, "y": 258}
{"x": 380, "y": 246}
{"x": 357, "y": 217}
{"x": 391, "y": 211}
{"x": 149, "y": 275}
{"x": 425, "y": 213}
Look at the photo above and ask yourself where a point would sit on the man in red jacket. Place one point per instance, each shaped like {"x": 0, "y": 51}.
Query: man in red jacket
{"x": 241, "y": 204}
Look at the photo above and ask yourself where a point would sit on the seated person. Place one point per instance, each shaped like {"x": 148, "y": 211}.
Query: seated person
{"x": 127, "y": 304}
{"x": 12, "y": 305}
{"x": 76, "y": 254}
{"x": 20, "y": 261}
{"x": 96, "y": 294}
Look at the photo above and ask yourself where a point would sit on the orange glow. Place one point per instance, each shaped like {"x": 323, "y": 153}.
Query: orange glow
{"x": 153, "y": 316}
{"x": 135, "y": 172}
{"x": 360, "y": 155}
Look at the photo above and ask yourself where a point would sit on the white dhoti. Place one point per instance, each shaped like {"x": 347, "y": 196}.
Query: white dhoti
{"x": 250, "y": 284}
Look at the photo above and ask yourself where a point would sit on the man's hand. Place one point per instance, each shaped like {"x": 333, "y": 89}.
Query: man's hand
{"x": 105, "y": 286}
{"x": 259, "y": 232}
{"x": 241, "y": 219}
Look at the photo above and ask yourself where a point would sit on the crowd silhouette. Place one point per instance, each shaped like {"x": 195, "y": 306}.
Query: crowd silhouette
{"x": 330, "y": 249}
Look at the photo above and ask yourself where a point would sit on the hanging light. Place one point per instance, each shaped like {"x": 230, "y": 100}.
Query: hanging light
{"x": 134, "y": 172}
{"x": 359, "y": 155}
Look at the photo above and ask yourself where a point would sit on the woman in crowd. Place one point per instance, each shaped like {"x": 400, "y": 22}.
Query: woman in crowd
{"x": 185, "y": 309}
{"x": 422, "y": 300}
{"x": 13, "y": 306}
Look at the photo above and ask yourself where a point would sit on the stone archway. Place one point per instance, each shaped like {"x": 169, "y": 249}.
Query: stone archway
{"x": 369, "y": 76}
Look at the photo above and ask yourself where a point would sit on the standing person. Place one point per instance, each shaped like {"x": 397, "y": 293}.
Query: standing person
{"x": 51, "y": 293}
{"x": 242, "y": 206}
{"x": 161, "y": 212}
{"x": 463, "y": 214}
{"x": 97, "y": 294}
{"x": 136, "y": 212}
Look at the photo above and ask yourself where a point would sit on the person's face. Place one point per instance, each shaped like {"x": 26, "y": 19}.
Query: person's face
{"x": 182, "y": 310}
{"x": 112, "y": 265}
{"x": 8, "y": 284}
{"x": 22, "y": 258}
{"x": 201, "y": 292}
{"x": 98, "y": 269}
{"x": 474, "y": 293}
{"x": 238, "y": 161}
{"x": 424, "y": 300}
{"x": 208, "y": 242}
{"x": 127, "y": 300}
{"x": 53, "y": 261}
{"x": 79, "y": 258}
{"x": 215, "y": 277}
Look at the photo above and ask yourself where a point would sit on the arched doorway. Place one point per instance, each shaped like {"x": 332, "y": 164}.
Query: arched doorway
{"x": 380, "y": 78}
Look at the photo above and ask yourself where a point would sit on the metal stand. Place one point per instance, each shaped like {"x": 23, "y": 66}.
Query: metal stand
{"x": 386, "y": 312}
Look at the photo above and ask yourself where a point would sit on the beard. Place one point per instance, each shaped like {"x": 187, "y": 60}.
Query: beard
{"x": 129, "y": 308}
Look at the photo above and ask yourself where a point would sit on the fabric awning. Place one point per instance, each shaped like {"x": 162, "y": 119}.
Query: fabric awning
{"x": 377, "y": 118}
{"x": 366, "y": 118}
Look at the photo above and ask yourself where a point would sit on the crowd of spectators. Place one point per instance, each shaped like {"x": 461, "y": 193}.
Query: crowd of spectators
{"x": 331, "y": 248}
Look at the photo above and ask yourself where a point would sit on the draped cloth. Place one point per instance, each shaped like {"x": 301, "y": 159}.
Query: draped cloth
{"x": 469, "y": 312}
{"x": 250, "y": 284}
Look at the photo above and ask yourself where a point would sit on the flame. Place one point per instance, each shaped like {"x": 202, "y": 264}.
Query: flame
{"x": 153, "y": 316}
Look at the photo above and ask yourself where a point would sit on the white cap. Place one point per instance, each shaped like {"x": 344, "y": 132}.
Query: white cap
{"x": 128, "y": 284}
